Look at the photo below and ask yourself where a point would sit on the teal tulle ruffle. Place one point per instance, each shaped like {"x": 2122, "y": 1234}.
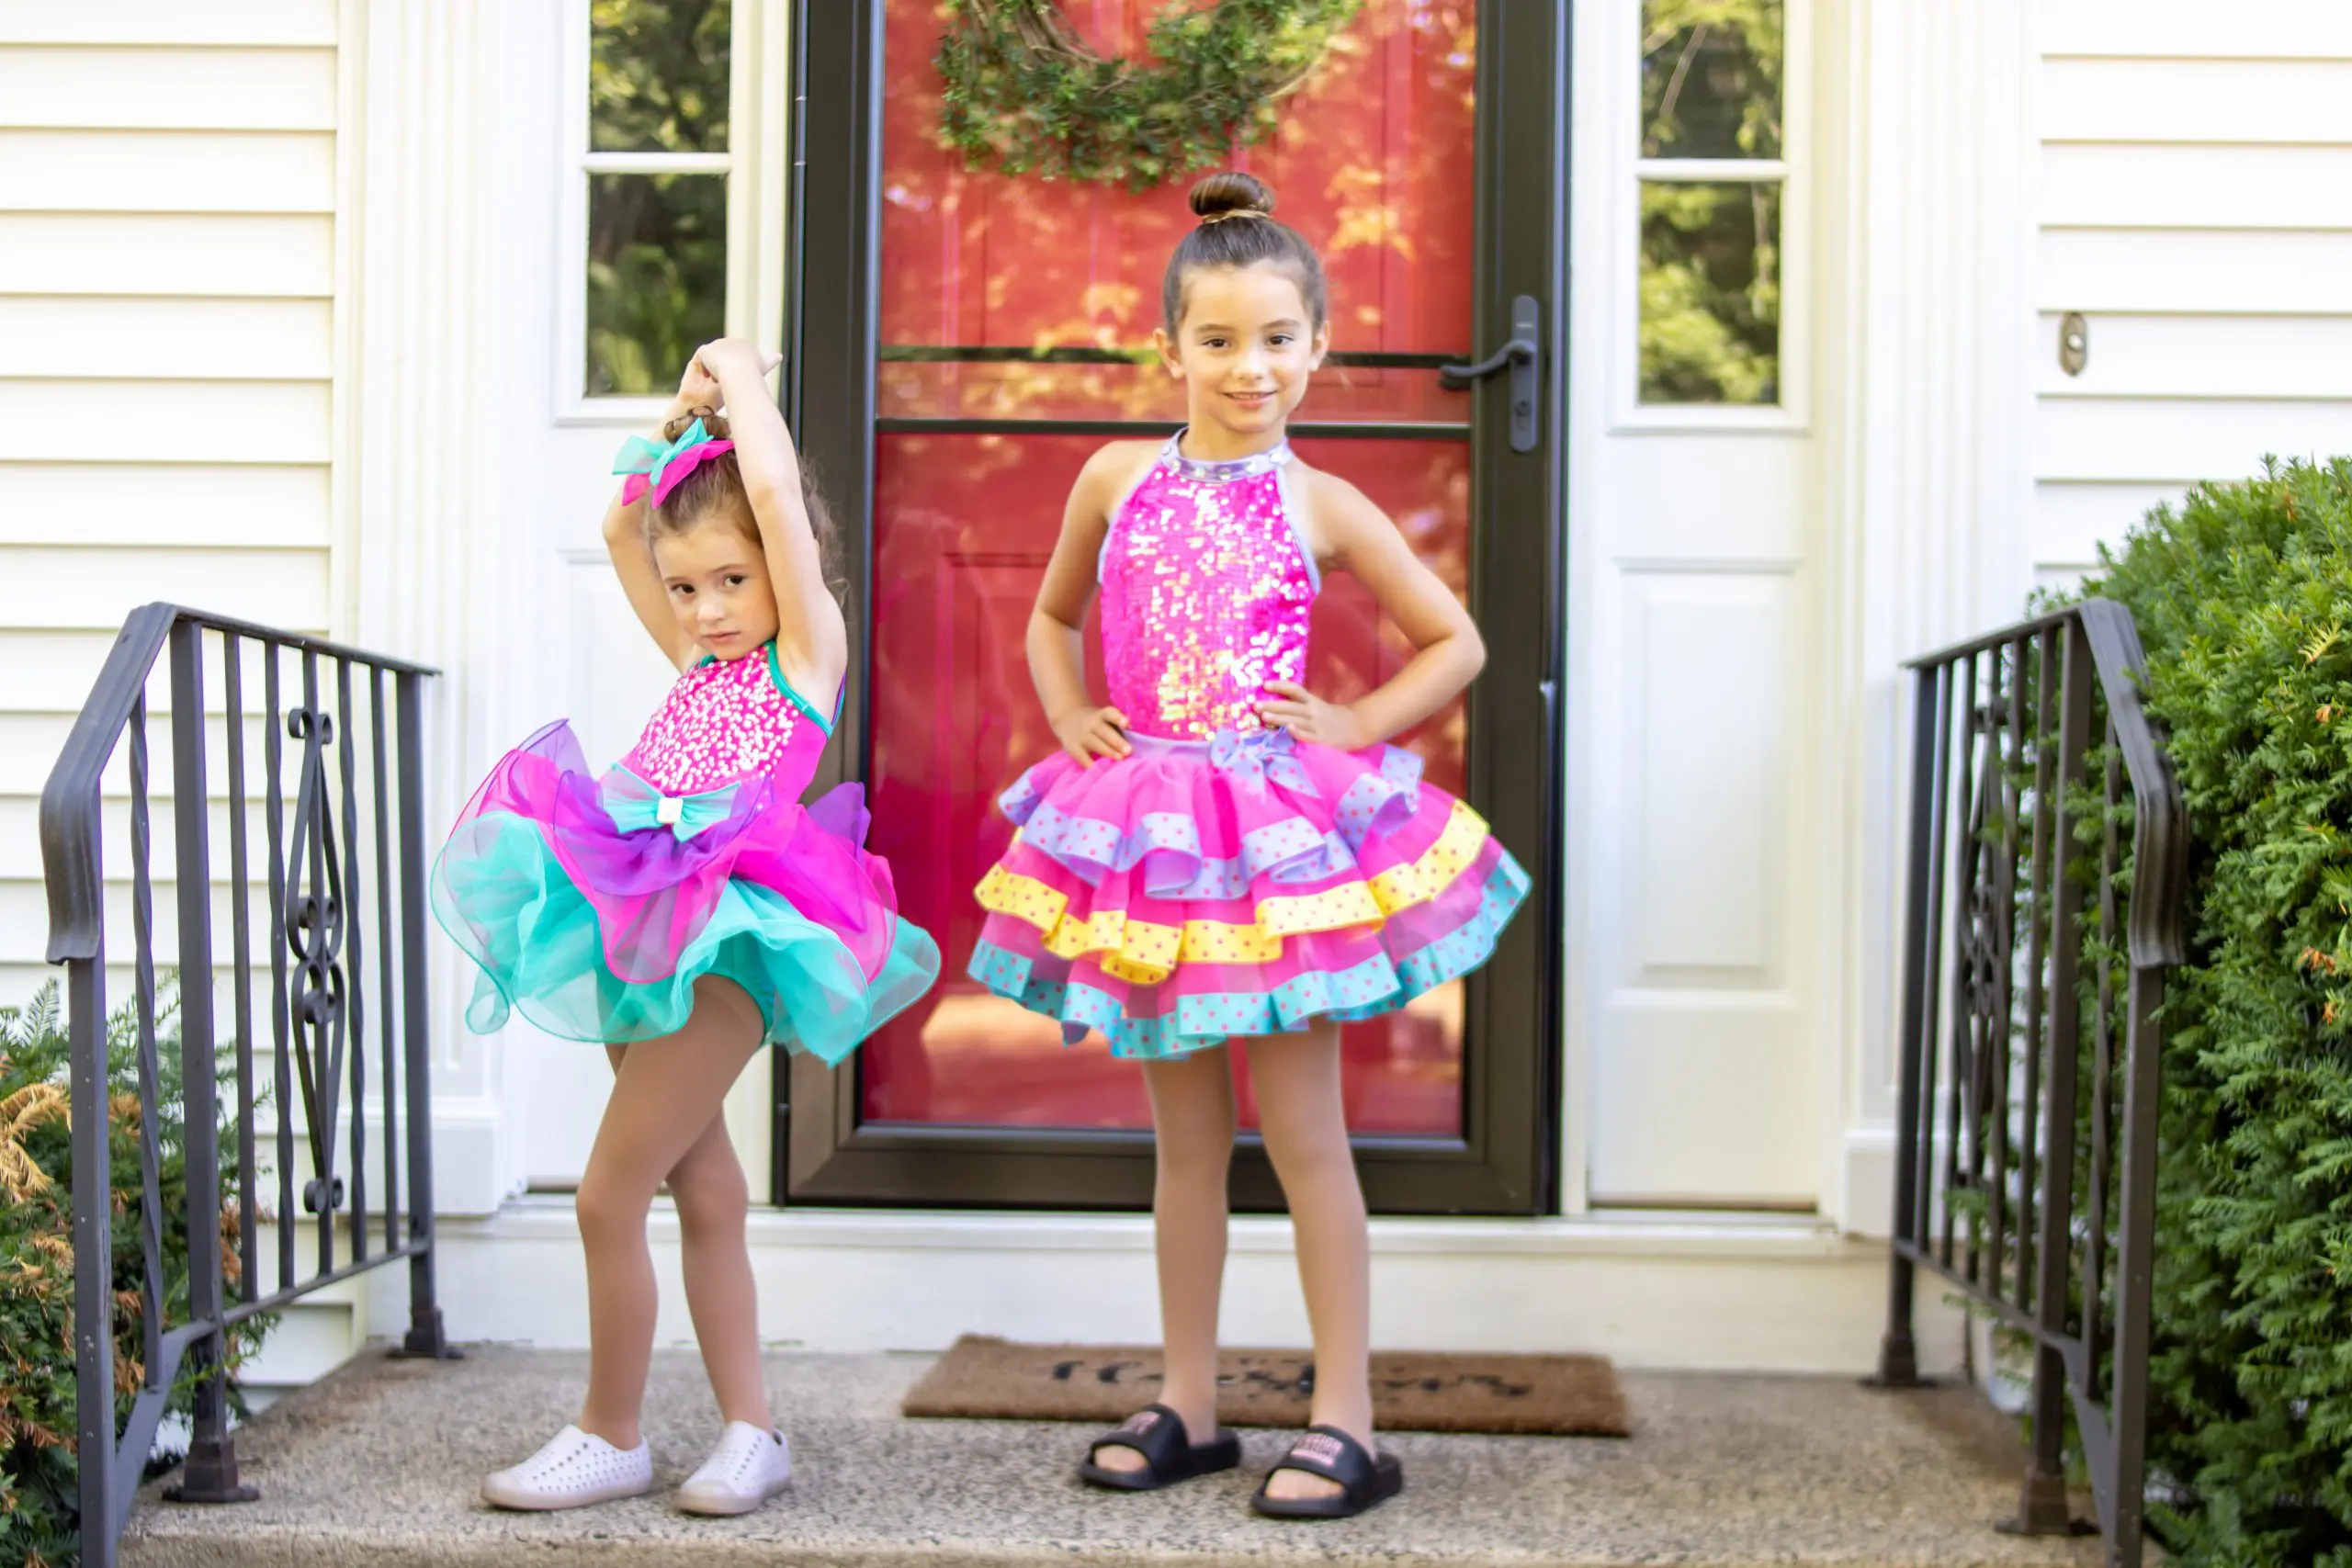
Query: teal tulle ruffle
{"x": 502, "y": 894}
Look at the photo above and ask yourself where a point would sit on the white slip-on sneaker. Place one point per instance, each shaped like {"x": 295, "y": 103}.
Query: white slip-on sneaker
{"x": 748, "y": 1467}
{"x": 574, "y": 1470}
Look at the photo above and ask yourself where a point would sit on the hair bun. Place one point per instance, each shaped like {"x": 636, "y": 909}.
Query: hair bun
{"x": 1229, "y": 192}
{"x": 714, "y": 425}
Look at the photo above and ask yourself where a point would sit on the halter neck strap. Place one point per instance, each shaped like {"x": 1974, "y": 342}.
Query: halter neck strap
{"x": 1224, "y": 470}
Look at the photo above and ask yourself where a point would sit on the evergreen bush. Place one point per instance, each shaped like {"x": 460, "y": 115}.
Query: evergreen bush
{"x": 40, "y": 1511}
{"x": 2243, "y": 596}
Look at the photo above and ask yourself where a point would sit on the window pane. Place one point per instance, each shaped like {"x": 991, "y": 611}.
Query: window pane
{"x": 1710, "y": 78}
{"x": 1370, "y": 163}
{"x": 1711, "y": 293}
{"x": 657, "y": 278}
{"x": 657, "y": 77}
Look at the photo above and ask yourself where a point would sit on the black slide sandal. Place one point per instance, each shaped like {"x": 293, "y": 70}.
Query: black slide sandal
{"x": 1330, "y": 1453}
{"x": 1169, "y": 1453}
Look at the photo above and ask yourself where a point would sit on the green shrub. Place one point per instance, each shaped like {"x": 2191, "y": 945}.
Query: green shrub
{"x": 2244, "y": 600}
{"x": 39, "y": 1507}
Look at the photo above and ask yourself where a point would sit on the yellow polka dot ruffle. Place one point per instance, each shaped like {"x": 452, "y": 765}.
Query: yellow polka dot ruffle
{"x": 1144, "y": 953}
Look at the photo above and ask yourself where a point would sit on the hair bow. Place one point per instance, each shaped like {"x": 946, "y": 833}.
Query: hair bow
{"x": 650, "y": 466}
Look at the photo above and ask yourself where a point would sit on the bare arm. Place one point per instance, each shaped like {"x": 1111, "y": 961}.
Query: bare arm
{"x": 1363, "y": 543}
{"x": 632, "y": 556}
{"x": 1055, "y": 640}
{"x": 812, "y": 640}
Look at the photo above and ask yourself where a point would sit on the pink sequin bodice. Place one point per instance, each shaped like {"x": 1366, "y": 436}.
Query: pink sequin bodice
{"x": 727, "y": 719}
{"x": 1207, "y": 589}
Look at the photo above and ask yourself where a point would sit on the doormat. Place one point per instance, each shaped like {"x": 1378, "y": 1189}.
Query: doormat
{"x": 1411, "y": 1391}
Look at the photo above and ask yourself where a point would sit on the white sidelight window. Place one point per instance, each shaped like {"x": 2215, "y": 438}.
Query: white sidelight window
{"x": 1716, "y": 192}
{"x": 671, "y": 232}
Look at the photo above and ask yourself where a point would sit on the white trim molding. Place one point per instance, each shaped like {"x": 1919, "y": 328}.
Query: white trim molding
{"x": 1692, "y": 1292}
{"x": 1927, "y": 236}
{"x": 437, "y": 380}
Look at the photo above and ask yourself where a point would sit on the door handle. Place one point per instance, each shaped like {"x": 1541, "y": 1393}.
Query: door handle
{"x": 1524, "y": 355}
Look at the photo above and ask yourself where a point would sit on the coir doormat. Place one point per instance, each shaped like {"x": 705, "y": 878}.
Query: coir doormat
{"x": 1411, "y": 1391}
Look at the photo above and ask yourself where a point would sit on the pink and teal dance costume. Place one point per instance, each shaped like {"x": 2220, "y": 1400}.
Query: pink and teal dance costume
{"x": 1228, "y": 879}
{"x": 592, "y": 904}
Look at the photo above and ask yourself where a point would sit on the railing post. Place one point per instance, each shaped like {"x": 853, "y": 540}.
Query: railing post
{"x": 1898, "y": 1355}
{"x": 210, "y": 1475}
{"x": 2043, "y": 1506}
{"x": 426, "y": 1335}
{"x": 2135, "y": 1262}
{"x": 86, "y": 1023}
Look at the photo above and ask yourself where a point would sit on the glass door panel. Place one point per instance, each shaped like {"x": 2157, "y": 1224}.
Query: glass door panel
{"x": 963, "y": 526}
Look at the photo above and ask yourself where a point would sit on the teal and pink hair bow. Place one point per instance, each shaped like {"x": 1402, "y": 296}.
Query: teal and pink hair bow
{"x": 650, "y": 466}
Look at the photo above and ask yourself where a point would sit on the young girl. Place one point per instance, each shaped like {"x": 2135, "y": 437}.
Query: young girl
{"x": 1219, "y": 853}
{"x": 683, "y": 909}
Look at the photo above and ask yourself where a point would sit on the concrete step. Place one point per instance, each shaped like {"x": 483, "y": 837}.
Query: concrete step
{"x": 315, "y": 1332}
{"x": 378, "y": 1464}
{"x": 314, "y": 1335}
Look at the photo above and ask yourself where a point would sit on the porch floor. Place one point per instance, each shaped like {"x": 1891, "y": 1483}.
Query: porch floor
{"x": 378, "y": 1464}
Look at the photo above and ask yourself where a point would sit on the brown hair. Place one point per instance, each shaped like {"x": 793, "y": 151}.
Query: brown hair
{"x": 1237, "y": 230}
{"x": 714, "y": 486}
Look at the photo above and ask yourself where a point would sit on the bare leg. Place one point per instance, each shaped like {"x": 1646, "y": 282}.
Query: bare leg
{"x": 1304, "y": 1124}
{"x": 714, "y": 1205}
{"x": 666, "y": 1093}
{"x": 1192, "y": 1116}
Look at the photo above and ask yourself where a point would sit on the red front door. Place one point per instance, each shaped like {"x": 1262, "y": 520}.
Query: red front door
{"x": 1006, "y": 317}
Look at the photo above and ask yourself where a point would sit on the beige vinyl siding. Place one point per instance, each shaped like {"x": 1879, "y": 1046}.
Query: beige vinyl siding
{"x": 2195, "y": 207}
{"x": 168, "y": 183}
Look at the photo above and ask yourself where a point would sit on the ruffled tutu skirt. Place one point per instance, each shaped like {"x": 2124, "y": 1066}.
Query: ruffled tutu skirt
{"x": 596, "y": 932}
{"x": 1199, "y": 890}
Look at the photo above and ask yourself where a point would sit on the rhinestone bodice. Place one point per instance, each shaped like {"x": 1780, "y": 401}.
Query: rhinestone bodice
{"x": 730, "y": 719}
{"x": 1207, "y": 591}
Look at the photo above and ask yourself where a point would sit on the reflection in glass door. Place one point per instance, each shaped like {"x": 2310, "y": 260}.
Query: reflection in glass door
{"x": 1009, "y": 319}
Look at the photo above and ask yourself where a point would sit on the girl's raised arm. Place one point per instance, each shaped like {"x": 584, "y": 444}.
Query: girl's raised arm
{"x": 812, "y": 639}
{"x": 626, "y": 543}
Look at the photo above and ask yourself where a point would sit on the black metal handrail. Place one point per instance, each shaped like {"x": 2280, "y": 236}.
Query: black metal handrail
{"x": 321, "y": 933}
{"x": 2008, "y": 836}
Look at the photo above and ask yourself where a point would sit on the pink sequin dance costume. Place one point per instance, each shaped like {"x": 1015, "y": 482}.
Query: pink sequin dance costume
{"x": 1227, "y": 879}
{"x": 591, "y": 905}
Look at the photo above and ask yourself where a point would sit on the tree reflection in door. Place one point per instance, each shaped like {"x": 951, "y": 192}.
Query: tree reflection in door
{"x": 1374, "y": 164}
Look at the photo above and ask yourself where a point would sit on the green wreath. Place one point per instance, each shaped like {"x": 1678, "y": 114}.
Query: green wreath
{"x": 1023, "y": 91}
